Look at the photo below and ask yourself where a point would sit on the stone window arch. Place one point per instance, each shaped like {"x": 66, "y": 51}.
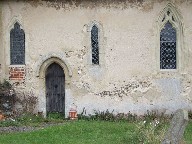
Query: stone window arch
{"x": 17, "y": 45}
{"x": 97, "y": 70}
{"x": 95, "y": 45}
{"x": 95, "y": 30}
{"x": 170, "y": 50}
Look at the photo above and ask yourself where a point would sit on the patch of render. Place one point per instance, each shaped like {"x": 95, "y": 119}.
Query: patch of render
{"x": 148, "y": 5}
{"x": 1, "y": 48}
{"x": 165, "y": 93}
{"x": 186, "y": 90}
{"x": 144, "y": 5}
{"x": 1, "y": 73}
{"x": 82, "y": 86}
{"x": 175, "y": 93}
{"x": 133, "y": 86}
{"x": 120, "y": 98}
{"x": 67, "y": 5}
{"x": 76, "y": 53}
{"x": 31, "y": 81}
{"x": 185, "y": 82}
{"x": 82, "y": 83}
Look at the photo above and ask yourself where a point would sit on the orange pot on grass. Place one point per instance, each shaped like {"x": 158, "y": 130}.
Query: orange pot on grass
{"x": 73, "y": 112}
{"x": 2, "y": 117}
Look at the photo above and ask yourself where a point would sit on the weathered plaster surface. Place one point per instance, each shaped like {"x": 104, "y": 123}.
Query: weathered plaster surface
{"x": 1, "y": 48}
{"x": 127, "y": 80}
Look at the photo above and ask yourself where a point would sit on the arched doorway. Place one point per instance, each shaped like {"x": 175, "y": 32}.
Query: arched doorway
{"x": 55, "y": 89}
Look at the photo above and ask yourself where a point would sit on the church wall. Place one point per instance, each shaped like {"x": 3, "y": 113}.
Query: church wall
{"x": 128, "y": 77}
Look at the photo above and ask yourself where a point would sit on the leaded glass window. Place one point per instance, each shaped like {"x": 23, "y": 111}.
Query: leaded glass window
{"x": 17, "y": 45}
{"x": 168, "y": 47}
{"x": 95, "y": 45}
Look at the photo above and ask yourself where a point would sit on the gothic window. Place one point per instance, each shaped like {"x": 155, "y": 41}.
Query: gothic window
{"x": 168, "y": 39}
{"x": 168, "y": 46}
{"x": 17, "y": 45}
{"x": 95, "y": 45}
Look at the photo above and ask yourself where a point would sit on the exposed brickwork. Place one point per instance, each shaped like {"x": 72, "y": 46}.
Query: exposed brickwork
{"x": 17, "y": 73}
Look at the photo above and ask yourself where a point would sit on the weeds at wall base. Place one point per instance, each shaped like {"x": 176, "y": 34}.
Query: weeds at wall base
{"x": 190, "y": 114}
{"x": 7, "y": 97}
{"x": 129, "y": 117}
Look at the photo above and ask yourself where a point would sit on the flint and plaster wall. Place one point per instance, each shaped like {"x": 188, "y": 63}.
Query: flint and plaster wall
{"x": 128, "y": 77}
{"x": 1, "y": 48}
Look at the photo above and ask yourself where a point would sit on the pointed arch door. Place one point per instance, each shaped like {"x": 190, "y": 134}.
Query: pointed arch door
{"x": 55, "y": 88}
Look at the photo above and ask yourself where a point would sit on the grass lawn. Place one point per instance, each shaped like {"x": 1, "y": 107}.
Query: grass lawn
{"x": 83, "y": 132}
{"x": 188, "y": 133}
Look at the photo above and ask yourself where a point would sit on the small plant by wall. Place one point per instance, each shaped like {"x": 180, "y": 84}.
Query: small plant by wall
{"x": 9, "y": 101}
{"x": 27, "y": 102}
{"x": 190, "y": 114}
{"x": 129, "y": 117}
{"x": 151, "y": 131}
{"x": 7, "y": 97}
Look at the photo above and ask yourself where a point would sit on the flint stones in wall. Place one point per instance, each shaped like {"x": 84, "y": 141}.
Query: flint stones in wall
{"x": 174, "y": 134}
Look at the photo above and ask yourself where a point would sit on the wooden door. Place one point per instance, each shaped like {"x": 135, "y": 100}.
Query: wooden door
{"x": 55, "y": 89}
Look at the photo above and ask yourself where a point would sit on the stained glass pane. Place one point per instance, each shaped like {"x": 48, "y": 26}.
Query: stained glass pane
{"x": 17, "y": 45}
{"x": 168, "y": 47}
{"x": 95, "y": 45}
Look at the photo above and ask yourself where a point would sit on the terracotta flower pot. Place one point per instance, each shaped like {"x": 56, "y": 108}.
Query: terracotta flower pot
{"x": 73, "y": 114}
{"x": 2, "y": 117}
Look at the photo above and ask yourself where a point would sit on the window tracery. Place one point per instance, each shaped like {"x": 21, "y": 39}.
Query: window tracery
{"x": 168, "y": 47}
{"x": 168, "y": 41}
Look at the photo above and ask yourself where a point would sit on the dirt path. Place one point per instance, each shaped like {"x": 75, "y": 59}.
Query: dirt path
{"x": 12, "y": 129}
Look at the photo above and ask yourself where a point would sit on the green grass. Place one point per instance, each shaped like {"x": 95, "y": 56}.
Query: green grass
{"x": 79, "y": 132}
{"x": 83, "y": 132}
{"x": 188, "y": 133}
{"x": 28, "y": 119}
